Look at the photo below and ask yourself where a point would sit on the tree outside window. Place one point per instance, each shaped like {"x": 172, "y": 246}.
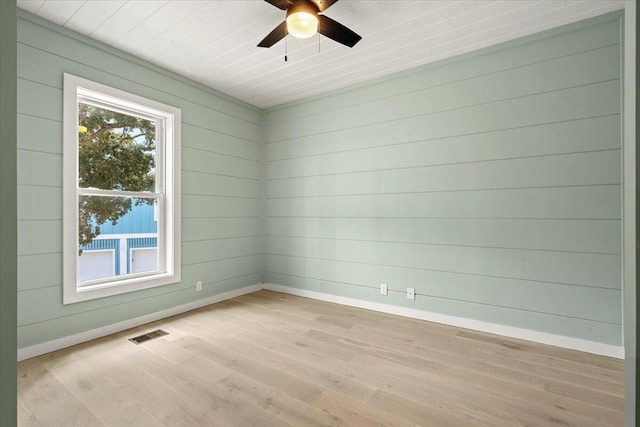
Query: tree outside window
{"x": 116, "y": 152}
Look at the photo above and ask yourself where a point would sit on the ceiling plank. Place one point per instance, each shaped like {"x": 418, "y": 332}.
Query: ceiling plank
{"x": 125, "y": 20}
{"x": 59, "y": 11}
{"x": 214, "y": 42}
{"x": 93, "y": 14}
{"x": 30, "y": 5}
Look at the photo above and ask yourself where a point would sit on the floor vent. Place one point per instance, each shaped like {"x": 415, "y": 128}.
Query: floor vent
{"x": 148, "y": 336}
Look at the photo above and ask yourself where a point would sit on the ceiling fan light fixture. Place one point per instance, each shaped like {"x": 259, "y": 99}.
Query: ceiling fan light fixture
{"x": 302, "y": 21}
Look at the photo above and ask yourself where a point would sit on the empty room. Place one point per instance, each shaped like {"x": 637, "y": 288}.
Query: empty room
{"x": 318, "y": 213}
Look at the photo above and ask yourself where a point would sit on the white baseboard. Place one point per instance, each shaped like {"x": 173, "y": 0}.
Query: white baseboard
{"x": 57, "y": 344}
{"x": 493, "y": 328}
{"x": 508, "y": 331}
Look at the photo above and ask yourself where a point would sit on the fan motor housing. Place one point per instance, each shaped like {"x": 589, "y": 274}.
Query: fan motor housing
{"x": 302, "y": 6}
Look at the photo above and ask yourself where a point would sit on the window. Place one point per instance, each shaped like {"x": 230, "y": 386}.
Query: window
{"x": 121, "y": 208}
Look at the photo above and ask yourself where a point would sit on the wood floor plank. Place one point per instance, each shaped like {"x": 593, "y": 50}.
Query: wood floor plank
{"x": 604, "y": 374}
{"x": 297, "y": 387}
{"x": 467, "y": 391}
{"x": 170, "y": 407}
{"x": 26, "y": 418}
{"x": 355, "y": 413}
{"x": 270, "y": 359}
{"x": 276, "y": 305}
{"x": 200, "y": 388}
{"x": 424, "y": 415}
{"x": 609, "y": 396}
{"x": 272, "y": 400}
{"x": 430, "y": 394}
{"x": 48, "y": 400}
{"x": 446, "y": 373}
{"x": 297, "y": 344}
{"x": 312, "y": 369}
{"x": 87, "y": 384}
{"x": 562, "y": 353}
{"x": 367, "y": 316}
{"x": 272, "y": 318}
{"x": 452, "y": 345}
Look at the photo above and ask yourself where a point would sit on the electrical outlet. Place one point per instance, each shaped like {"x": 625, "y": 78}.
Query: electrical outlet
{"x": 198, "y": 285}
{"x": 383, "y": 289}
{"x": 411, "y": 293}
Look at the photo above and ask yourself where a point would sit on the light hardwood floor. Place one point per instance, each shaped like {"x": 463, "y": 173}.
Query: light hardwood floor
{"x": 270, "y": 359}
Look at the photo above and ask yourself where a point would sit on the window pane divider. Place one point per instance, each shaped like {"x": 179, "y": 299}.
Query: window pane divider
{"x": 116, "y": 193}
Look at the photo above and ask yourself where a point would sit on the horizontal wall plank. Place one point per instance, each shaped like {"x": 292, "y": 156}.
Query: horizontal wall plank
{"x": 80, "y": 50}
{"x": 198, "y": 183}
{"x": 39, "y": 237}
{"x": 59, "y": 327}
{"x": 194, "y": 206}
{"x": 210, "y": 119}
{"x": 195, "y": 229}
{"x": 596, "y": 304}
{"x": 209, "y": 250}
{"x": 602, "y": 133}
{"x": 224, "y": 269}
{"x": 208, "y": 140}
{"x": 207, "y": 162}
{"x": 589, "y": 202}
{"x": 35, "y": 305}
{"x": 594, "y": 236}
{"x": 541, "y": 47}
{"x": 39, "y": 271}
{"x": 39, "y": 203}
{"x": 39, "y": 168}
{"x": 595, "y": 100}
{"x": 595, "y": 270}
{"x": 43, "y": 100}
{"x": 561, "y": 325}
{"x": 584, "y": 68}
{"x": 35, "y": 99}
{"x": 35, "y": 134}
{"x": 548, "y": 171}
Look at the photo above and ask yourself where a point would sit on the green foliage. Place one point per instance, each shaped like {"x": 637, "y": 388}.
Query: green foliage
{"x": 116, "y": 152}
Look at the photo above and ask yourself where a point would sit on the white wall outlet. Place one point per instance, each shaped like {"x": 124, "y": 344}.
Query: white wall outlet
{"x": 198, "y": 285}
{"x": 383, "y": 289}
{"x": 411, "y": 293}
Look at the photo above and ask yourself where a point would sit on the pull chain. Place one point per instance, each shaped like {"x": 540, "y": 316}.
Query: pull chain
{"x": 286, "y": 49}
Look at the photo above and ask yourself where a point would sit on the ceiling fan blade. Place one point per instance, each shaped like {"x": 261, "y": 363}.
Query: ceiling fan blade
{"x": 281, "y": 4}
{"x": 336, "y": 31}
{"x": 323, "y": 5}
{"x": 275, "y": 36}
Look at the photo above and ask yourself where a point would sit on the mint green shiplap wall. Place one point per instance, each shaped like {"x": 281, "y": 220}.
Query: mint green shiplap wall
{"x": 221, "y": 183}
{"x": 489, "y": 183}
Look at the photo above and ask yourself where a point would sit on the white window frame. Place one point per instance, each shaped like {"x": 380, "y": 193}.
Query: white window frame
{"x": 168, "y": 192}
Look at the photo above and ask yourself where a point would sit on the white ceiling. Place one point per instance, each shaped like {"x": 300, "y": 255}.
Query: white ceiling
{"x": 214, "y": 42}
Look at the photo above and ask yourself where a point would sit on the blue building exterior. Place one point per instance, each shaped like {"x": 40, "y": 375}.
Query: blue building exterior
{"x": 135, "y": 228}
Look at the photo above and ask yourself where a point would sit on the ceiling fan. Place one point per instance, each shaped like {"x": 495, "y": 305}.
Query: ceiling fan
{"x": 303, "y": 20}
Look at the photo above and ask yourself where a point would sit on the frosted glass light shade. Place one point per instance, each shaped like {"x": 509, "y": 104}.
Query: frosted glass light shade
{"x": 302, "y": 24}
